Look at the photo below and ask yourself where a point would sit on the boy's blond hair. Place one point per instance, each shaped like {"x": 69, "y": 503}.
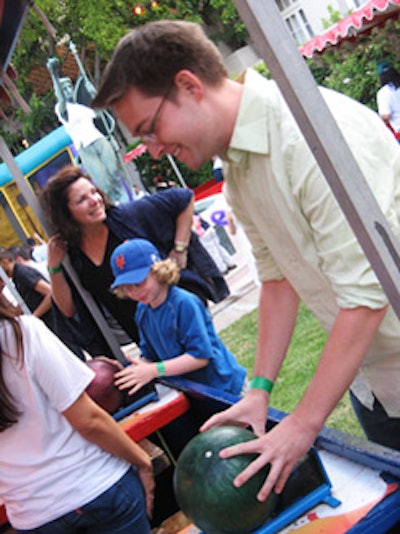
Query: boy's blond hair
{"x": 164, "y": 271}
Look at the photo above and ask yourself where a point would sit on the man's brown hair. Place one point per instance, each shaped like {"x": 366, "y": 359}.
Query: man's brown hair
{"x": 149, "y": 57}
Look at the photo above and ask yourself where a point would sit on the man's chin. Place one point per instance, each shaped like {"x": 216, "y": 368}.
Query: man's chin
{"x": 193, "y": 165}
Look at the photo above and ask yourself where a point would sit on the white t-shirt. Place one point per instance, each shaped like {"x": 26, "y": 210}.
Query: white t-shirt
{"x": 46, "y": 467}
{"x": 80, "y": 125}
{"x": 388, "y": 100}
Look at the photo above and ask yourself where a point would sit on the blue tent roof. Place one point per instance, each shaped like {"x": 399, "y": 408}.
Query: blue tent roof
{"x": 37, "y": 154}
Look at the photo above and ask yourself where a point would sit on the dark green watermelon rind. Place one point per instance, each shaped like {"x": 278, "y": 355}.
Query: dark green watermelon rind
{"x": 216, "y": 506}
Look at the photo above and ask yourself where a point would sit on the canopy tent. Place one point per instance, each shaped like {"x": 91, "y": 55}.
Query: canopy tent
{"x": 362, "y": 21}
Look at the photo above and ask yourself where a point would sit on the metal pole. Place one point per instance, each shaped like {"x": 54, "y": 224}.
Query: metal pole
{"x": 279, "y": 51}
{"x": 176, "y": 169}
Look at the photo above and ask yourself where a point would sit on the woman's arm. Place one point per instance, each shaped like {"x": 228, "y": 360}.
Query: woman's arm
{"x": 184, "y": 222}
{"x": 44, "y": 289}
{"x": 97, "y": 426}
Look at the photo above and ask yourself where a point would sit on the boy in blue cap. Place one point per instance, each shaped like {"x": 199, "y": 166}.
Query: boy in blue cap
{"x": 177, "y": 335}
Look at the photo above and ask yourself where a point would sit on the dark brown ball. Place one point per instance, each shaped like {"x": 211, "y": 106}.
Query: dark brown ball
{"x": 102, "y": 389}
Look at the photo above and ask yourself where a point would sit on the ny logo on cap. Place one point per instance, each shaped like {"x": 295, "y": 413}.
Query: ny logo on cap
{"x": 120, "y": 261}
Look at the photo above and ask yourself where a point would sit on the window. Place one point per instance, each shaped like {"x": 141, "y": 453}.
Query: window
{"x": 284, "y": 4}
{"x": 299, "y": 27}
{"x": 296, "y": 20}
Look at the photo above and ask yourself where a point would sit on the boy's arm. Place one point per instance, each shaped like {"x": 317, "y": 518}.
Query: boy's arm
{"x": 141, "y": 372}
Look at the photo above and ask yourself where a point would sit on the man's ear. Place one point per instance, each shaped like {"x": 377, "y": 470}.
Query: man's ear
{"x": 189, "y": 83}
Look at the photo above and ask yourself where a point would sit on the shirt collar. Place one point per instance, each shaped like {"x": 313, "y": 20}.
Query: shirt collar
{"x": 250, "y": 133}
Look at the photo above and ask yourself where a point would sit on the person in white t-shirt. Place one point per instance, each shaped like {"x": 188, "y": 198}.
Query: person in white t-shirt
{"x": 65, "y": 464}
{"x": 388, "y": 96}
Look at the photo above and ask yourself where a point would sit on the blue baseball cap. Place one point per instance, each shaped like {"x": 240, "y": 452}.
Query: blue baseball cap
{"x": 383, "y": 66}
{"x": 132, "y": 260}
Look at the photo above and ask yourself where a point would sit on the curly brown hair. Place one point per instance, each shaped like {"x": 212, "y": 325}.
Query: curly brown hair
{"x": 54, "y": 200}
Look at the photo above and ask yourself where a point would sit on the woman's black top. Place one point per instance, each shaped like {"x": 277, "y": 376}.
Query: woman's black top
{"x": 98, "y": 279}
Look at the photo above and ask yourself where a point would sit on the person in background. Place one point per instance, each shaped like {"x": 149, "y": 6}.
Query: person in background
{"x": 139, "y": 193}
{"x": 161, "y": 183}
{"x": 31, "y": 285}
{"x": 388, "y": 96}
{"x": 184, "y": 103}
{"x": 210, "y": 240}
{"x": 177, "y": 336}
{"x": 218, "y": 174}
{"x": 21, "y": 255}
{"x": 80, "y": 470}
{"x": 87, "y": 226}
{"x": 38, "y": 250}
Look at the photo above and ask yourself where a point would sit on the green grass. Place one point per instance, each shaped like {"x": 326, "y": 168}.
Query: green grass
{"x": 298, "y": 367}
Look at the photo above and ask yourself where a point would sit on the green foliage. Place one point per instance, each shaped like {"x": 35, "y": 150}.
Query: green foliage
{"x": 351, "y": 67}
{"x": 150, "y": 168}
{"x": 262, "y": 68}
{"x": 41, "y": 119}
{"x": 96, "y": 26}
{"x": 334, "y": 17}
{"x": 298, "y": 368}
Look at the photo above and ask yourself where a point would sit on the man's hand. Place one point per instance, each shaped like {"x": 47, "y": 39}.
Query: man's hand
{"x": 252, "y": 411}
{"x": 276, "y": 449}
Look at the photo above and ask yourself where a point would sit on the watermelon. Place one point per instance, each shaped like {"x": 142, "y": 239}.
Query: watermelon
{"x": 102, "y": 389}
{"x": 203, "y": 484}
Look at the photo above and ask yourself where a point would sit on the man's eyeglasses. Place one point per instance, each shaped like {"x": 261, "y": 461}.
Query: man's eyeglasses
{"x": 150, "y": 137}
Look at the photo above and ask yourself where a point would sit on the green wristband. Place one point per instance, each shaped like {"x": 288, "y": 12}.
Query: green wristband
{"x": 54, "y": 270}
{"x": 160, "y": 369}
{"x": 259, "y": 382}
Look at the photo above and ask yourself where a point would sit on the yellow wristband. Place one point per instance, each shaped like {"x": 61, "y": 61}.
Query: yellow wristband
{"x": 160, "y": 369}
{"x": 259, "y": 382}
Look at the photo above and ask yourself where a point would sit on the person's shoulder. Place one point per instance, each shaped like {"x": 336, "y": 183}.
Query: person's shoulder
{"x": 185, "y": 298}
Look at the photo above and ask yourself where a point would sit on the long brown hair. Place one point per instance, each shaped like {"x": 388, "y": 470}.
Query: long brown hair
{"x": 54, "y": 200}
{"x": 9, "y": 412}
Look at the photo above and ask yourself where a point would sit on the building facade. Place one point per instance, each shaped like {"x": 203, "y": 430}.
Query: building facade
{"x": 304, "y": 18}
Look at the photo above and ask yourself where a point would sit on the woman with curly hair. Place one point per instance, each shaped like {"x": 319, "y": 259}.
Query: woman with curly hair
{"x": 87, "y": 226}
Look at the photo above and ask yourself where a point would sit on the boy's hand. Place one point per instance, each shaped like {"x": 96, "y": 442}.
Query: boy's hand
{"x": 135, "y": 376}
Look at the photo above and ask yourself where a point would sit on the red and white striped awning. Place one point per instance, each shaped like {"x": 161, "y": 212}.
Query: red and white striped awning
{"x": 371, "y": 14}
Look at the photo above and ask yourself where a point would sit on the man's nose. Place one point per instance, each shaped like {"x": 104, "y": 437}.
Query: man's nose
{"x": 156, "y": 150}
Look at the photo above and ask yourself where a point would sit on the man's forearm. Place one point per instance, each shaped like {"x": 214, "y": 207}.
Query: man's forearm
{"x": 277, "y": 317}
{"x": 343, "y": 354}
